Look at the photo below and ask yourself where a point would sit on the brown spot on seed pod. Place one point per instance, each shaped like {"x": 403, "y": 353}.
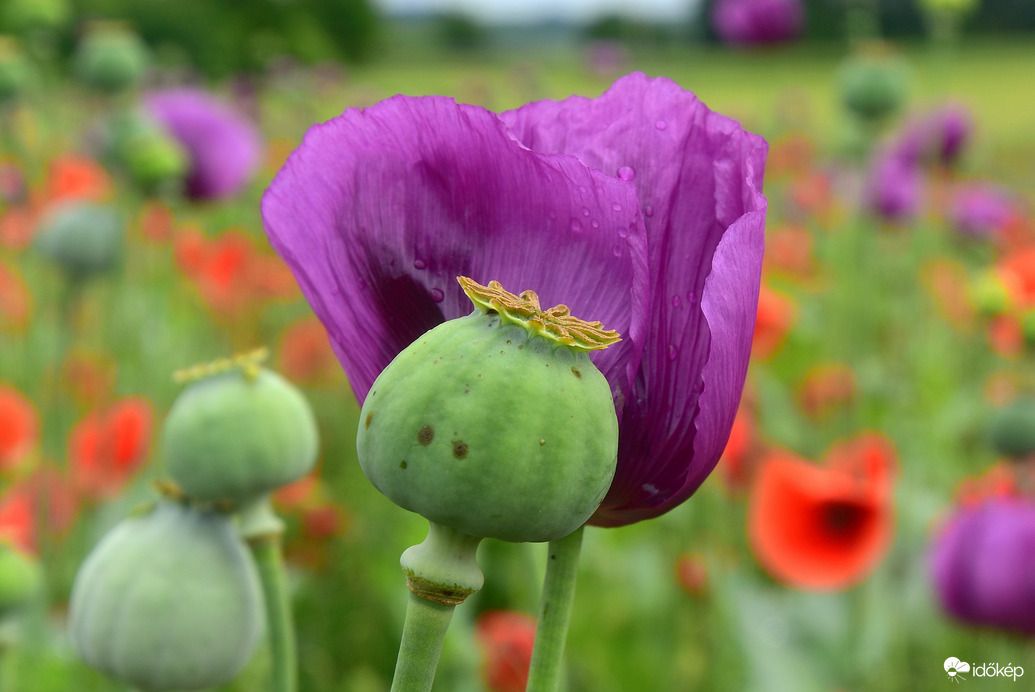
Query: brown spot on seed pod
{"x": 402, "y": 464}
{"x": 370, "y": 417}
{"x": 576, "y": 372}
{"x": 425, "y": 435}
{"x": 459, "y": 449}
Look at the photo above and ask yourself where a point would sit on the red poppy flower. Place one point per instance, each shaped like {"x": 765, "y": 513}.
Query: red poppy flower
{"x": 788, "y": 251}
{"x": 156, "y": 222}
{"x": 71, "y": 176}
{"x": 229, "y": 273}
{"x": 506, "y": 638}
{"x": 1017, "y": 271}
{"x": 739, "y": 458}
{"x": 19, "y": 426}
{"x": 20, "y": 513}
{"x": 305, "y": 354}
{"x": 15, "y": 300}
{"x": 17, "y": 225}
{"x": 692, "y": 574}
{"x": 824, "y": 527}
{"x": 107, "y": 446}
{"x": 776, "y": 314}
{"x": 998, "y": 482}
{"x": 825, "y": 388}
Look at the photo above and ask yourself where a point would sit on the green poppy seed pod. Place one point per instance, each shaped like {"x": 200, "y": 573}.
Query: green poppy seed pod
{"x": 82, "y": 238}
{"x": 168, "y": 601}
{"x": 873, "y": 84}
{"x": 496, "y": 424}
{"x": 19, "y": 579}
{"x": 110, "y": 57}
{"x": 152, "y": 159}
{"x": 1012, "y": 428}
{"x": 990, "y": 294}
{"x": 14, "y": 71}
{"x": 239, "y": 433}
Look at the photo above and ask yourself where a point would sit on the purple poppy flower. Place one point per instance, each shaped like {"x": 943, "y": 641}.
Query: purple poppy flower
{"x": 981, "y": 209}
{"x": 746, "y": 22}
{"x": 893, "y": 187}
{"x": 940, "y": 135}
{"x": 225, "y": 149}
{"x": 640, "y": 208}
{"x": 982, "y": 564}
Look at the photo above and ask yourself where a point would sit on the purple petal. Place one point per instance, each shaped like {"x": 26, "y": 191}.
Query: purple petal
{"x": 699, "y": 178}
{"x": 757, "y": 21}
{"x": 225, "y": 149}
{"x": 379, "y": 210}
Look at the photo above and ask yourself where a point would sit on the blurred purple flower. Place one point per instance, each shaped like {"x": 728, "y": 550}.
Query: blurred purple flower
{"x": 981, "y": 209}
{"x": 757, "y": 21}
{"x": 640, "y": 208}
{"x": 940, "y": 135}
{"x": 893, "y": 187}
{"x": 225, "y": 149}
{"x": 982, "y": 563}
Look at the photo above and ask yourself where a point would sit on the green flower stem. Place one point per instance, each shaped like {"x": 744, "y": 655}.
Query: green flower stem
{"x": 263, "y": 530}
{"x": 555, "y": 607}
{"x": 440, "y": 573}
{"x": 423, "y": 633}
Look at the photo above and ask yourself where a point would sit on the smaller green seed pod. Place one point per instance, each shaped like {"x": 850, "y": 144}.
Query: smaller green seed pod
{"x": 496, "y": 424}
{"x": 153, "y": 159}
{"x": 111, "y": 58}
{"x": 20, "y": 579}
{"x": 238, "y": 434}
{"x": 168, "y": 601}
{"x": 82, "y": 238}
{"x": 873, "y": 83}
{"x": 1012, "y": 428}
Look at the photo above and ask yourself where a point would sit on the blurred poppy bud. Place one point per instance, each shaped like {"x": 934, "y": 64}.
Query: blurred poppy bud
{"x": 82, "y": 238}
{"x": 1012, "y": 428}
{"x": 110, "y": 57}
{"x": 873, "y": 83}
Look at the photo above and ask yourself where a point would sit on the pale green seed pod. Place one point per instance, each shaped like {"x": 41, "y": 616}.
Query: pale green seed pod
{"x": 239, "y": 434}
{"x": 110, "y": 57}
{"x": 496, "y": 424}
{"x": 168, "y": 601}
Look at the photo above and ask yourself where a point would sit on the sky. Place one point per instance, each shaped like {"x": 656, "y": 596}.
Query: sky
{"x": 502, "y": 11}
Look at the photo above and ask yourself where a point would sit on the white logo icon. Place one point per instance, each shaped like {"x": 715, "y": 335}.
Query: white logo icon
{"x": 954, "y": 667}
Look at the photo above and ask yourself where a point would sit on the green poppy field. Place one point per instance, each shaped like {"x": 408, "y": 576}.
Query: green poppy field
{"x": 884, "y": 341}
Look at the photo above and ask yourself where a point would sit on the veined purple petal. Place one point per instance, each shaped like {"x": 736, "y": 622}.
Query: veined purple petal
{"x": 224, "y": 148}
{"x": 699, "y": 179}
{"x": 379, "y": 210}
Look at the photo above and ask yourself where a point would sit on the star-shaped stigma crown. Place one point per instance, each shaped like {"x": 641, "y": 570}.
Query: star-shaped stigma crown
{"x": 556, "y": 323}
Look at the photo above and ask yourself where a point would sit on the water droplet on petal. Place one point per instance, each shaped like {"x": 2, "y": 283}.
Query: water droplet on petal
{"x": 626, "y": 173}
{"x": 553, "y": 216}
{"x": 648, "y": 212}
{"x": 616, "y": 206}
{"x": 616, "y": 249}
{"x": 673, "y": 352}
{"x": 576, "y": 225}
{"x": 676, "y": 302}
{"x": 419, "y": 264}
{"x": 691, "y": 296}
{"x": 437, "y": 295}
{"x": 623, "y": 232}
{"x": 585, "y": 211}
{"x": 594, "y": 223}
{"x": 661, "y": 124}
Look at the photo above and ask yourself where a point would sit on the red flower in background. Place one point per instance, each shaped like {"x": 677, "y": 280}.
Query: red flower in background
{"x": 107, "y": 446}
{"x": 156, "y": 222}
{"x": 305, "y": 355}
{"x": 229, "y": 273}
{"x": 824, "y": 527}
{"x": 506, "y": 638}
{"x": 825, "y": 388}
{"x": 998, "y": 482}
{"x": 19, "y": 426}
{"x": 788, "y": 251}
{"x": 739, "y": 459}
{"x": 15, "y": 300}
{"x": 44, "y": 495}
{"x": 692, "y": 574}
{"x": 776, "y": 315}
{"x": 71, "y": 176}
{"x": 90, "y": 377}
{"x": 307, "y": 505}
